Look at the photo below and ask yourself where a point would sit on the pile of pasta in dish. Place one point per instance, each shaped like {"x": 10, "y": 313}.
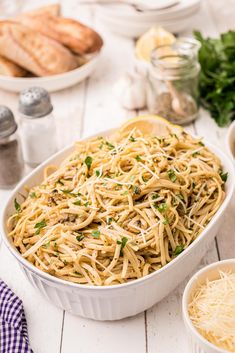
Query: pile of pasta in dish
{"x": 119, "y": 208}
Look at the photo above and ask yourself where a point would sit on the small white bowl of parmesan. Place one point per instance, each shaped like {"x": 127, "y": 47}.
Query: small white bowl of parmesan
{"x": 209, "y": 308}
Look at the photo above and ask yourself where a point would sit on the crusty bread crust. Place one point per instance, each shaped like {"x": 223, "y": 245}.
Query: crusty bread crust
{"x": 33, "y": 51}
{"x": 71, "y": 33}
{"x": 8, "y": 68}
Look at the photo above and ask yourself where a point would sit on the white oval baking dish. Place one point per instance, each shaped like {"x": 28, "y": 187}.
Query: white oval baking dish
{"x": 197, "y": 342}
{"x": 122, "y": 300}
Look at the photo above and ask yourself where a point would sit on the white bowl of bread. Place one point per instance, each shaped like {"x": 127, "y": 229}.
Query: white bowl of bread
{"x": 42, "y": 48}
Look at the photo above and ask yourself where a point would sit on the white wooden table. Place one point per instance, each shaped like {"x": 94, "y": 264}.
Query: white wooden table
{"x": 81, "y": 111}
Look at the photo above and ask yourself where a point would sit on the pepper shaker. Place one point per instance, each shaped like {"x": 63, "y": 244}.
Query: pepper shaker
{"x": 11, "y": 158}
{"x": 37, "y": 125}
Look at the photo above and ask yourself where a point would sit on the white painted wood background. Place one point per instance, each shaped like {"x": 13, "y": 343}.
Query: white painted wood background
{"x": 84, "y": 110}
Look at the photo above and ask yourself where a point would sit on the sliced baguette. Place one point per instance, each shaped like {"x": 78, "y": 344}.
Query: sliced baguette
{"x": 71, "y": 33}
{"x": 9, "y": 68}
{"x": 33, "y": 51}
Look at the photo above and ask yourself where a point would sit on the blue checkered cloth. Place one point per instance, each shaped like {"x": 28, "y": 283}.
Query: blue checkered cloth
{"x": 13, "y": 325}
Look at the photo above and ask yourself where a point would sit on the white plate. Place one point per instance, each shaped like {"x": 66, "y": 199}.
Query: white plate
{"x": 155, "y": 4}
{"x": 50, "y": 83}
{"x": 230, "y": 141}
{"x": 121, "y": 300}
{"x": 135, "y": 29}
{"x": 129, "y": 13}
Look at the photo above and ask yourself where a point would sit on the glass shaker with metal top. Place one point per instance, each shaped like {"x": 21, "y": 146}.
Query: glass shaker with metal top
{"x": 173, "y": 81}
{"x": 11, "y": 159}
{"x": 37, "y": 125}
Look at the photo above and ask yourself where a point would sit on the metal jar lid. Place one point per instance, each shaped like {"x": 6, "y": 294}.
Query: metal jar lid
{"x": 7, "y": 122}
{"x": 35, "y": 102}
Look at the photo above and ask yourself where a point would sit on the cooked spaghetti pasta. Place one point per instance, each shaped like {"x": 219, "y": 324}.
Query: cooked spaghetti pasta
{"x": 118, "y": 208}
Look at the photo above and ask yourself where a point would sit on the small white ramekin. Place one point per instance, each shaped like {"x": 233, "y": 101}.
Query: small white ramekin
{"x": 197, "y": 342}
{"x": 230, "y": 141}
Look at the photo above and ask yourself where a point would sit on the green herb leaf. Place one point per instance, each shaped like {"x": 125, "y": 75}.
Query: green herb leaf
{"x": 17, "y": 206}
{"x": 165, "y": 221}
{"x": 171, "y": 175}
{"x": 32, "y": 195}
{"x": 110, "y": 220}
{"x": 110, "y": 145}
{"x": 138, "y": 158}
{"x": 178, "y": 250}
{"x": 216, "y": 79}
{"x": 88, "y": 162}
{"x": 80, "y": 237}
{"x": 60, "y": 182}
{"x": 97, "y": 173}
{"x": 162, "y": 207}
{"x": 224, "y": 176}
{"x": 201, "y": 143}
{"x": 40, "y": 225}
{"x": 195, "y": 154}
{"x": 77, "y": 203}
{"x": 122, "y": 243}
{"x": 96, "y": 233}
{"x": 86, "y": 204}
{"x": 155, "y": 196}
{"x": 136, "y": 190}
{"x": 132, "y": 139}
{"x": 70, "y": 192}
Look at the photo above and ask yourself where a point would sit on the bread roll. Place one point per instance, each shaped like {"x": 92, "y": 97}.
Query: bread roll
{"x": 8, "y": 68}
{"x": 73, "y": 34}
{"x": 33, "y": 51}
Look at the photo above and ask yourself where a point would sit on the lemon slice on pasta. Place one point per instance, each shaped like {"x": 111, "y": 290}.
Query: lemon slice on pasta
{"x": 151, "y": 125}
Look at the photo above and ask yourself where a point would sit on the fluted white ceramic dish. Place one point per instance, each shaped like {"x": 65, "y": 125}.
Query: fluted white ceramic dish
{"x": 51, "y": 83}
{"x": 230, "y": 141}
{"x": 122, "y": 300}
{"x": 197, "y": 342}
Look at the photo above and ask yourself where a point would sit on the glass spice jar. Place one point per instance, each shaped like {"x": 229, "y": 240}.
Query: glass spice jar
{"x": 11, "y": 158}
{"x": 172, "y": 88}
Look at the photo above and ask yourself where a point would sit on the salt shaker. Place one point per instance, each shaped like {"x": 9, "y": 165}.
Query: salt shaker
{"x": 11, "y": 158}
{"x": 37, "y": 125}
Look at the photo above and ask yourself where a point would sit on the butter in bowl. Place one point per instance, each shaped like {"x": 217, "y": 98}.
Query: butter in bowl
{"x": 209, "y": 308}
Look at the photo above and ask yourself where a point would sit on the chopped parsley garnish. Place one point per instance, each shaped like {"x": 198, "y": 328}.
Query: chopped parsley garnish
{"x": 69, "y": 192}
{"x": 162, "y": 207}
{"x": 95, "y": 233}
{"x": 138, "y": 158}
{"x": 201, "y": 143}
{"x": 137, "y": 190}
{"x": 122, "y": 243}
{"x": 97, "y": 173}
{"x": 193, "y": 185}
{"x": 32, "y": 195}
{"x": 178, "y": 250}
{"x": 194, "y": 154}
{"x": 60, "y": 182}
{"x": 77, "y": 203}
{"x": 110, "y": 145}
{"x": 165, "y": 221}
{"x": 132, "y": 139}
{"x": 80, "y": 237}
{"x": 171, "y": 175}
{"x": 86, "y": 204}
{"x": 17, "y": 206}
{"x": 155, "y": 196}
{"x": 110, "y": 220}
{"x": 224, "y": 176}
{"x": 38, "y": 226}
{"x": 88, "y": 162}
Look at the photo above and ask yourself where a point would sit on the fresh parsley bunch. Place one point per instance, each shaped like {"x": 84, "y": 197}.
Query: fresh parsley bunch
{"x": 217, "y": 76}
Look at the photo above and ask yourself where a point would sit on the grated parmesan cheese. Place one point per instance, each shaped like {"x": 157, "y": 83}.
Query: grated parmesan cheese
{"x": 212, "y": 311}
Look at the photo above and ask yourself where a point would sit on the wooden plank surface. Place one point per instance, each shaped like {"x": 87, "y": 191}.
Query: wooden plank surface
{"x": 80, "y": 111}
